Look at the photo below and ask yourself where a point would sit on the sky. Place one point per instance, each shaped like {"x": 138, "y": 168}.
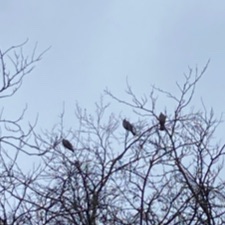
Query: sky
{"x": 99, "y": 44}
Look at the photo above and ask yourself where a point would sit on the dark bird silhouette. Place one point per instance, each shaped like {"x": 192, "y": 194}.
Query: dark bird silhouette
{"x": 67, "y": 144}
{"x": 162, "y": 120}
{"x": 128, "y": 126}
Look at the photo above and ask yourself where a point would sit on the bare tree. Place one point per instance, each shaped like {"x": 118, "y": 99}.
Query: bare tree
{"x": 159, "y": 176}
{"x": 15, "y": 138}
{"x": 169, "y": 177}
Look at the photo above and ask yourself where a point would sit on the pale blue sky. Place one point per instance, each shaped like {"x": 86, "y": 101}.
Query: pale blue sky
{"x": 97, "y": 44}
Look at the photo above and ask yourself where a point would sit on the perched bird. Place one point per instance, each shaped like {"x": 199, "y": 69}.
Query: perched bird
{"x": 162, "y": 120}
{"x": 128, "y": 126}
{"x": 67, "y": 144}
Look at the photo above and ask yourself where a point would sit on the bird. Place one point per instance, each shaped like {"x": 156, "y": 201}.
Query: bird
{"x": 128, "y": 126}
{"x": 67, "y": 144}
{"x": 162, "y": 120}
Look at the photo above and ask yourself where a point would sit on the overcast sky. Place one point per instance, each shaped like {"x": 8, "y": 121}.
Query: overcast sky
{"x": 97, "y": 44}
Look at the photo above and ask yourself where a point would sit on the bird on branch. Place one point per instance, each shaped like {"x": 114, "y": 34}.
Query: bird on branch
{"x": 67, "y": 144}
{"x": 162, "y": 120}
{"x": 128, "y": 126}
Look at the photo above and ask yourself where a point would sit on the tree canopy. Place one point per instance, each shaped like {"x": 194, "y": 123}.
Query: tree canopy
{"x": 160, "y": 168}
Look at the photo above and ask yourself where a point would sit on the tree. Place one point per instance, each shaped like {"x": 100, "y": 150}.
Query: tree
{"x": 164, "y": 177}
{"x": 15, "y": 138}
{"x": 169, "y": 177}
